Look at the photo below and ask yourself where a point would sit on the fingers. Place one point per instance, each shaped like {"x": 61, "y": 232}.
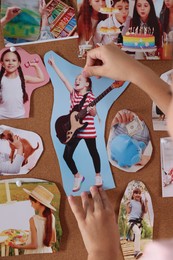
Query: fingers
{"x": 124, "y": 116}
{"x": 87, "y": 203}
{"x": 105, "y": 200}
{"x": 97, "y": 200}
{"x": 76, "y": 209}
{"x": 90, "y": 71}
{"x": 94, "y": 63}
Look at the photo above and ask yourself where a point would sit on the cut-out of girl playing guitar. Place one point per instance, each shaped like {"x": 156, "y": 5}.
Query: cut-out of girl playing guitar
{"x": 81, "y": 95}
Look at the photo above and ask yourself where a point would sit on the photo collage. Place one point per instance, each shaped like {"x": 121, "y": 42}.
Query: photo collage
{"x": 96, "y": 138}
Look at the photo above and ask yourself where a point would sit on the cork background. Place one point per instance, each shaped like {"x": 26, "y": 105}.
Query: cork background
{"x": 47, "y": 168}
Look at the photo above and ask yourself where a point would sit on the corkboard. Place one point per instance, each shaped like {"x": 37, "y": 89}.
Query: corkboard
{"x": 47, "y": 168}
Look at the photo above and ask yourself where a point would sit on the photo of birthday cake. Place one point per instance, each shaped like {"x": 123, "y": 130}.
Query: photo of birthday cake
{"x": 142, "y": 38}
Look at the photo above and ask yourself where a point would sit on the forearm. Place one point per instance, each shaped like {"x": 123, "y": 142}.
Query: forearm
{"x": 62, "y": 78}
{"x": 8, "y": 167}
{"x": 39, "y": 73}
{"x": 20, "y": 150}
{"x": 149, "y": 82}
{"x": 128, "y": 209}
{"x": 29, "y": 246}
{"x": 146, "y": 207}
{"x": 4, "y": 21}
{"x": 112, "y": 255}
{"x": 44, "y": 21}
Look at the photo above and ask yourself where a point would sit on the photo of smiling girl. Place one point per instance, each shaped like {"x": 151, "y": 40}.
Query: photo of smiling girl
{"x": 144, "y": 15}
{"x": 13, "y": 80}
{"x": 136, "y": 217}
{"x": 75, "y": 147}
{"x": 81, "y": 95}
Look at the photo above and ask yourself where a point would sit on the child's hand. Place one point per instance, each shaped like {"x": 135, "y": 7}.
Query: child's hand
{"x": 111, "y": 62}
{"x": 13, "y": 245}
{"x": 17, "y": 142}
{"x": 51, "y": 61}
{"x": 12, "y": 12}
{"x": 91, "y": 110}
{"x": 96, "y": 221}
{"x": 123, "y": 117}
{"x": 42, "y": 8}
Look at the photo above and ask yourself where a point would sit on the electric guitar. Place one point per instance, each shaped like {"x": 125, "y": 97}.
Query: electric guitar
{"x": 67, "y": 126}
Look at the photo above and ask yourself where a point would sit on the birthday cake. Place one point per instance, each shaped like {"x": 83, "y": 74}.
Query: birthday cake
{"x": 133, "y": 40}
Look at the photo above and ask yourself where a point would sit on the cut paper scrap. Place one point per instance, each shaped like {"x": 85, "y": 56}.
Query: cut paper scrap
{"x": 28, "y": 25}
{"x": 61, "y": 107}
{"x": 35, "y": 76}
{"x": 129, "y": 145}
{"x": 25, "y": 26}
{"x": 158, "y": 117}
{"x": 136, "y": 219}
{"x": 10, "y": 162}
{"x": 166, "y": 148}
{"x": 15, "y": 206}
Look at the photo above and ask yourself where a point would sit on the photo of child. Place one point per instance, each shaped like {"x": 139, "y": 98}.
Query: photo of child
{"x": 134, "y": 26}
{"x": 135, "y": 220}
{"x": 166, "y": 147}
{"x": 20, "y": 150}
{"x": 119, "y": 20}
{"x": 25, "y": 22}
{"x": 158, "y": 117}
{"x": 81, "y": 95}
{"x": 37, "y": 203}
{"x": 89, "y": 138}
{"x": 20, "y": 74}
{"x": 129, "y": 146}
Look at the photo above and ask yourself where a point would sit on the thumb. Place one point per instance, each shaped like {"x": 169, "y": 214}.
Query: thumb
{"x": 90, "y": 71}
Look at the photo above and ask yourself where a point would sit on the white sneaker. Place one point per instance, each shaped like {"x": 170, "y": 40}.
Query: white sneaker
{"x": 77, "y": 183}
{"x": 137, "y": 255}
{"x": 98, "y": 181}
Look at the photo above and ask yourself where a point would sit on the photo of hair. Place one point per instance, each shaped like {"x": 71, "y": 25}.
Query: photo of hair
{"x": 136, "y": 219}
{"x": 20, "y": 150}
{"x": 36, "y": 202}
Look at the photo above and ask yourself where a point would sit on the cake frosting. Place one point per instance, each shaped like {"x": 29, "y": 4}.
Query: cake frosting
{"x": 132, "y": 40}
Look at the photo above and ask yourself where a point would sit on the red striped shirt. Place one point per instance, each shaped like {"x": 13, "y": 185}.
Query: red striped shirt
{"x": 89, "y": 131}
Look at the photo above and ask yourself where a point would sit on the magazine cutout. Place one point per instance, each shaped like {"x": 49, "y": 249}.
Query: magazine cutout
{"x": 12, "y": 162}
{"x": 19, "y": 80}
{"x": 166, "y": 147}
{"x": 16, "y": 205}
{"x": 158, "y": 117}
{"x": 129, "y": 145}
{"x": 118, "y": 22}
{"x": 37, "y": 21}
{"x": 136, "y": 220}
{"x": 61, "y": 107}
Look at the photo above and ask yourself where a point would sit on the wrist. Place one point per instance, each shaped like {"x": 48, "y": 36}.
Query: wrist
{"x": 20, "y": 150}
{"x": 4, "y": 20}
{"x": 102, "y": 255}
